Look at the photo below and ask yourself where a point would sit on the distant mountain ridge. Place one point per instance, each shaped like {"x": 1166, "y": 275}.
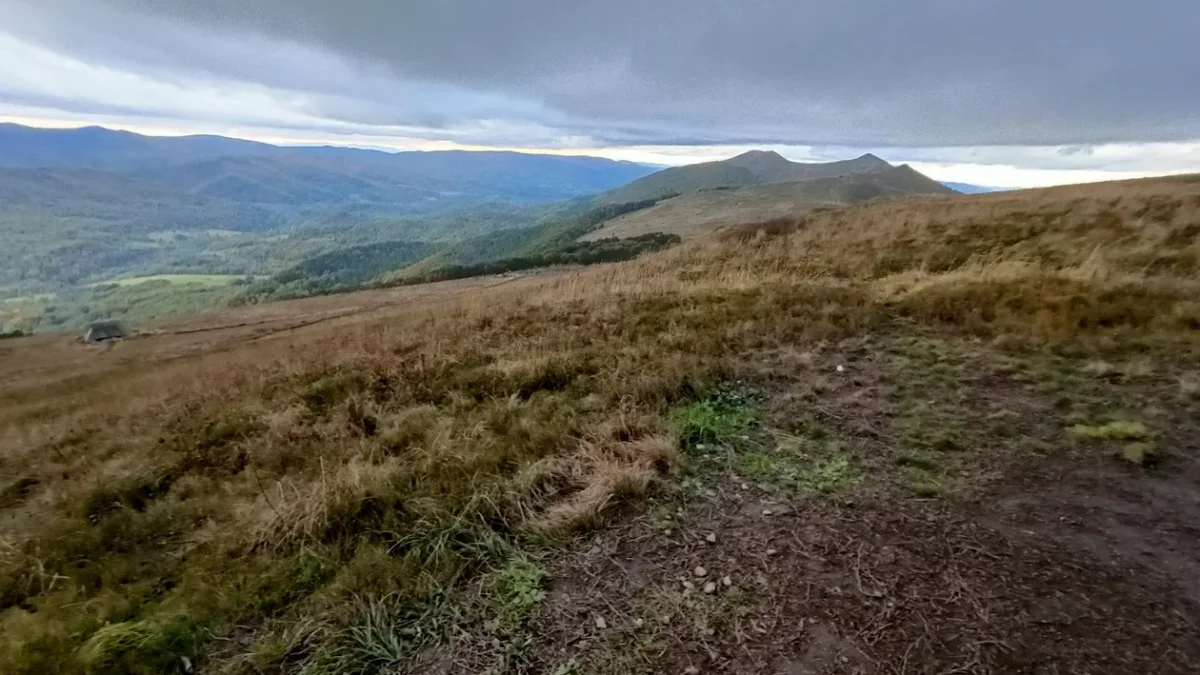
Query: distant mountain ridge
{"x": 252, "y": 172}
{"x": 754, "y": 187}
{"x": 753, "y": 168}
{"x": 85, "y": 205}
{"x": 970, "y": 189}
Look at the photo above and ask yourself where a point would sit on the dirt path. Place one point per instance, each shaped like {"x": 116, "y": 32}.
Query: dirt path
{"x": 1034, "y": 555}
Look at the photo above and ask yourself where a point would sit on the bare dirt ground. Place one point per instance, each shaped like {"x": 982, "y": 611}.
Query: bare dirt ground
{"x": 1035, "y": 554}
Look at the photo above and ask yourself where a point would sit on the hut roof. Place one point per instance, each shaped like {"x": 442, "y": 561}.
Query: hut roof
{"x": 105, "y": 330}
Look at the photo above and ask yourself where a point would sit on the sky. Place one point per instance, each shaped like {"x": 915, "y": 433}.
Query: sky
{"x": 1007, "y": 93}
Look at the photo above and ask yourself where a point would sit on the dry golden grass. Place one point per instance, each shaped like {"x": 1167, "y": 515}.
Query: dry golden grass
{"x": 180, "y": 488}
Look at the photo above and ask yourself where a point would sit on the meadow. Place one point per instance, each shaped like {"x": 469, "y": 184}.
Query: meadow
{"x": 814, "y": 442}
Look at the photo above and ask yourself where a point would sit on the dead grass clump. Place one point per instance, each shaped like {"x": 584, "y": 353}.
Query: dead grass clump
{"x": 608, "y": 476}
{"x": 757, "y": 232}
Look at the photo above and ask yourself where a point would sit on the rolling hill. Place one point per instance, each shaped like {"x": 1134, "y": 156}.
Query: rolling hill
{"x": 757, "y": 167}
{"x": 704, "y": 210}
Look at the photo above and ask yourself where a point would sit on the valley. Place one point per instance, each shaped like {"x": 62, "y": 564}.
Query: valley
{"x": 283, "y": 223}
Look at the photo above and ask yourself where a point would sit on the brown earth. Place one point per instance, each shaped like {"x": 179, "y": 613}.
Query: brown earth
{"x": 1050, "y": 558}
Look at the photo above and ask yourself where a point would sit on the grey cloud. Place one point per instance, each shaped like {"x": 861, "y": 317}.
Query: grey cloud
{"x": 856, "y": 73}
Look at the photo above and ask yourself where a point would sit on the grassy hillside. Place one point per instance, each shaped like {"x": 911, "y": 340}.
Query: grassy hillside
{"x": 694, "y": 214}
{"x": 756, "y": 167}
{"x": 953, "y": 435}
{"x": 549, "y": 237}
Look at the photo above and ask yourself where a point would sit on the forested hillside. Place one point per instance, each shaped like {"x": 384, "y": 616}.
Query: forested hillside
{"x": 85, "y": 205}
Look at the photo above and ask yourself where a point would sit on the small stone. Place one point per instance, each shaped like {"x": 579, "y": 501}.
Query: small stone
{"x": 711, "y": 538}
{"x": 689, "y": 585}
{"x": 639, "y": 623}
{"x": 665, "y": 619}
{"x": 768, "y": 512}
{"x": 745, "y": 486}
{"x": 601, "y": 623}
{"x": 841, "y": 369}
{"x": 691, "y": 670}
{"x": 728, "y": 581}
{"x": 710, "y": 587}
{"x": 701, "y": 572}
{"x": 771, "y": 551}
{"x": 701, "y": 446}
{"x": 710, "y": 493}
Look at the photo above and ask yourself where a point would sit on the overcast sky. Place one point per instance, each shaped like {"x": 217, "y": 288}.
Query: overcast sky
{"x": 1017, "y": 92}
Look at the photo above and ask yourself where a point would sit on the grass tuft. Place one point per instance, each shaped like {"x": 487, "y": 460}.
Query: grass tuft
{"x": 1121, "y": 430}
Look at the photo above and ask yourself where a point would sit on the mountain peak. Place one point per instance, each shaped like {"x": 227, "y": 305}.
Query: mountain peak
{"x": 760, "y": 154}
{"x": 764, "y": 164}
{"x": 872, "y": 159}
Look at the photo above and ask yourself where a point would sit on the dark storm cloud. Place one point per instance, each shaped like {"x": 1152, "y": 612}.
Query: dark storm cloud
{"x": 850, "y": 72}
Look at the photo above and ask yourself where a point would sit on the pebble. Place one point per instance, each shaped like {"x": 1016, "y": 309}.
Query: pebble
{"x": 728, "y": 581}
{"x": 601, "y": 623}
{"x": 711, "y": 538}
{"x": 767, "y": 512}
{"x": 691, "y": 670}
{"x": 639, "y": 623}
{"x": 745, "y": 486}
{"x": 701, "y": 572}
{"x": 689, "y": 585}
{"x": 710, "y": 587}
{"x": 771, "y": 551}
{"x": 710, "y": 493}
{"x": 841, "y": 369}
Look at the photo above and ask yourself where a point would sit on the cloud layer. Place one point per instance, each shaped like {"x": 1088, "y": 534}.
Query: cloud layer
{"x": 562, "y": 73}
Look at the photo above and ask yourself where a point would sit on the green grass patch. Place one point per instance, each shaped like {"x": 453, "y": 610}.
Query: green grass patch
{"x": 518, "y": 589}
{"x": 800, "y": 464}
{"x": 828, "y": 474}
{"x": 727, "y": 414}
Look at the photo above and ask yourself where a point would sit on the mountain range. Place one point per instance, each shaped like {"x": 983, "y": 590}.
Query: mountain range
{"x": 754, "y": 187}
{"x": 757, "y": 167}
{"x": 248, "y": 172}
{"x": 969, "y": 189}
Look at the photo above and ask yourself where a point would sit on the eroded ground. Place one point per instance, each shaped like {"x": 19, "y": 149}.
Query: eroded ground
{"x": 939, "y": 506}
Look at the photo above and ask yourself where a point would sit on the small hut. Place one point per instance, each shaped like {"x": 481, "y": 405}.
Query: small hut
{"x": 105, "y": 331}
